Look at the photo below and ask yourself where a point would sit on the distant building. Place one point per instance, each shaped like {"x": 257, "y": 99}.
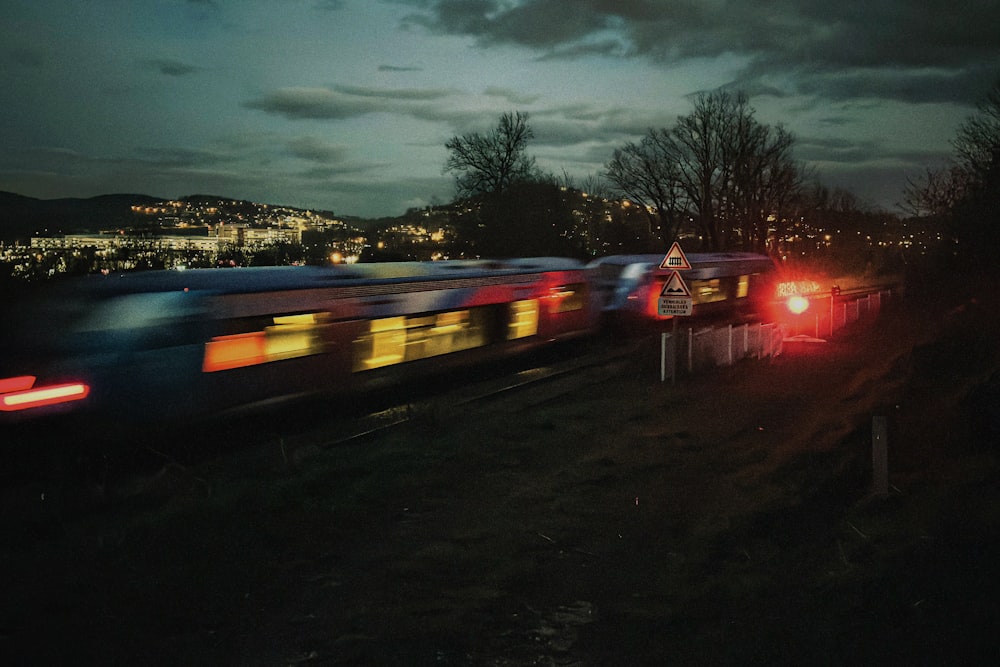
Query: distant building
{"x": 244, "y": 235}
{"x": 111, "y": 241}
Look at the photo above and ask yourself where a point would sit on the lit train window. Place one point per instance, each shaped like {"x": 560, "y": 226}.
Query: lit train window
{"x": 707, "y": 291}
{"x": 293, "y": 336}
{"x": 289, "y": 337}
{"x": 385, "y": 343}
{"x": 396, "y": 340}
{"x": 743, "y": 287}
{"x": 567, "y": 298}
{"x": 523, "y": 319}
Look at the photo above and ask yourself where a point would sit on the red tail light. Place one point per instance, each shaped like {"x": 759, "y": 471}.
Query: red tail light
{"x": 19, "y": 383}
{"x": 20, "y": 393}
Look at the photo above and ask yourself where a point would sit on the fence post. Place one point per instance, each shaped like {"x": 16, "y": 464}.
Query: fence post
{"x": 880, "y": 456}
{"x": 690, "y": 350}
{"x": 668, "y": 351}
{"x": 730, "y": 335}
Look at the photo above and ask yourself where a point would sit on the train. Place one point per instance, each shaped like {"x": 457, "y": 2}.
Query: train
{"x": 170, "y": 345}
{"x": 735, "y": 286}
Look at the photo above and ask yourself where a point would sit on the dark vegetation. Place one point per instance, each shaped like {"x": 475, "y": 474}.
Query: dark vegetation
{"x": 729, "y": 519}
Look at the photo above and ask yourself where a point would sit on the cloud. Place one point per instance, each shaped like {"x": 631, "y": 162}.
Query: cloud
{"x": 56, "y": 152}
{"x": 606, "y": 47}
{"x": 833, "y": 50}
{"x": 815, "y": 149}
{"x": 342, "y": 102}
{"x": 396, "y": 68}
{"x": 915, "y": 85}
{"x": 181, "y": 158}
{"x": 841, "y": 153}
{"x": 316, "y": 150}
{"x": 421, "y": 94}
{"x": 512, "y": 96}
{"x": 171, "y": 67}
{"x": 23, "y": 57}
{"x": 313, "y": 103}
{"x": 201, "y": 8}
{"x": 536, "y": 23}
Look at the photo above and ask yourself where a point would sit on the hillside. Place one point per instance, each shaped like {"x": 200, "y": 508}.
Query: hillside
{"x": 22, "y": 217}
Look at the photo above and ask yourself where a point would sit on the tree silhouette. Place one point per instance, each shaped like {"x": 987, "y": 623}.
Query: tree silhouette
{"x": 488, "y": 164}
{"x": 717, "y": 166}
{"x": 512, "y": 208}
{"x": 966, "y": 193}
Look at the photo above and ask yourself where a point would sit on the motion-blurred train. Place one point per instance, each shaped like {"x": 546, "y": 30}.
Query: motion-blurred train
{"x": 733, "y": 286}
{"x": 165, "y": 345}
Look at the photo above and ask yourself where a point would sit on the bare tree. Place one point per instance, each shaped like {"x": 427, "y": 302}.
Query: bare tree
{"x": 977, "y": 144}
{"x": 706, "y": 160}
{"x": 488, "y": 164}
{"x": 765, "y": 181}
{"x": 646, "y": 173}
{"x": 966, "y": 193}
{"x": 937, "y": 192}
{"x": 719, "y": 166}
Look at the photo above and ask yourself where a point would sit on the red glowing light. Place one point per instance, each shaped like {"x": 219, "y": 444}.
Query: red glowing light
{"x": 30, "y": 396}
{"x": 797, "y": 304}
{"x": 19, "y": 383}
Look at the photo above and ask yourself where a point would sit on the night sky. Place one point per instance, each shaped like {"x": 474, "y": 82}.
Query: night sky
{"x": 346, "y": 105}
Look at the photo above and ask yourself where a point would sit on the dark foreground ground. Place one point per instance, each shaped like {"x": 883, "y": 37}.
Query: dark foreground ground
{"x": 726, "y": 520}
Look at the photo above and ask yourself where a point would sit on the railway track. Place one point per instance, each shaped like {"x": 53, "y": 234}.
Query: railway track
{"x": 280, "y": 437}
{"x": 102, "y": 469}
{"x": 535, "y": 383}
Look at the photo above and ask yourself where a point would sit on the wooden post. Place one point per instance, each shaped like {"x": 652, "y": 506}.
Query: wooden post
{"x": 833, "y": 300}
{"x": 663, "y": 356}
{"x": 690, "y": 350}
{"x": 729, "y": 334}
{"x": 880, "y": 456}
{"x": 668, "y": 356}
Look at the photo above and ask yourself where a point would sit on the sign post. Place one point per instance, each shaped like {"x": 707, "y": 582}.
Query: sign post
{"x": 675, "y": 259}
{"x": 675, "y": 301}
{"x": 675, "y": 298}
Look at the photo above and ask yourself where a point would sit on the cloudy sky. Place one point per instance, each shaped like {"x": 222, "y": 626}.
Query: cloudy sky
{"x": 346, "y": 104}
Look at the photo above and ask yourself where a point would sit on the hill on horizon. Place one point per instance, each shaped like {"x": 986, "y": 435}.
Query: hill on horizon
{"x": 22, "y": 217}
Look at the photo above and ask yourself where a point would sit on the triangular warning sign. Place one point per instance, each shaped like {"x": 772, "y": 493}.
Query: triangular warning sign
{"x": 675, "y": 286}
{"x": 675, "y": 259}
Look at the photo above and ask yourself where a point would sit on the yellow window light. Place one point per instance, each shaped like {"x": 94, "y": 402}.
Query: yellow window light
{"x": 523, "y": 319}
{"x": 290, "y": 337}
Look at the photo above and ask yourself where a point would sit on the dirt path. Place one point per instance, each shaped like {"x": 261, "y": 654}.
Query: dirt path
{"x": 725, "y": 519}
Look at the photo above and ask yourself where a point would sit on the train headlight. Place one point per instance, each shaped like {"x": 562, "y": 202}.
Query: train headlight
{"x": 797, "y": 304}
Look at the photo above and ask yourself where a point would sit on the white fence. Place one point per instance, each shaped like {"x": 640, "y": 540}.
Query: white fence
{"x": 723, "y": 346}
{"x": 718, "y": 346}
{"x": 829, "y": 314}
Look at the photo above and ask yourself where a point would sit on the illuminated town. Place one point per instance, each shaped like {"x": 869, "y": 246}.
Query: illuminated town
{"x": 201, "y": 232}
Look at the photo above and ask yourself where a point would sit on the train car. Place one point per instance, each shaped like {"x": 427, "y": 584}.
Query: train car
{"x": 163, "y": 345}
{"x": 732, "y": 285}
